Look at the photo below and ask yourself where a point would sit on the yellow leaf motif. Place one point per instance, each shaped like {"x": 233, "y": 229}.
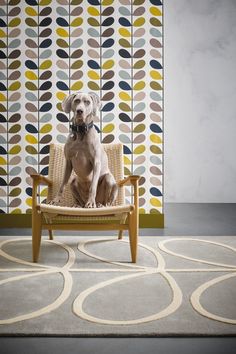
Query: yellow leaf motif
{"x": 16, "y": 211}
{"x": 2, "y": 161}
{"x": 155, "y": 11}
{"x": 15, "y": 150}
{"x": 77, "y": 86}
{"x": 155, "y": 75}
{"x": 139, "y": 149}
{"x": 45, "y": 2}
{"x": 108, "y": 64}
{"x": 46, "y": 64}
{"x": 124, "y": 96}
{"x": 93, "y": 75}
{"x": 62, "y": 32}
{"x": 15, "y": 22}
{"x": 31, "y": 11}
{"x": 31, "y": 75}
{"x": 155, "y": 202}
{"x": 127, "y": 160}
{"x": 108, "y": 128}
{"x": 46, "y": 129}
{"x": 139, "y": 22}
{"x": 155, "y": 139}
{"x": 15, "y": 86}
{"x": 139, "y": 86}
{"x": 124, "y": 32}
{"x": 2, "y": 34}
{"x": 93, "y": 11}
{"x": 2, "y": 97}
{"x": 29, "y": 202}
{"x": 44, "y": 192}
{"x": 31, "y": 139}
{"x": 77, "y": 22}
{"x": 107, "y": 2}
{"x": 139, "y": 128}
{"x": 61, "y": 95}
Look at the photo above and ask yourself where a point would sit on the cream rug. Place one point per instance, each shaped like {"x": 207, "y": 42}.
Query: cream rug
{"x": 88, "y": 287}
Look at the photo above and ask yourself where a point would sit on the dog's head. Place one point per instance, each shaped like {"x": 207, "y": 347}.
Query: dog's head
{"x": 82, "y": 105}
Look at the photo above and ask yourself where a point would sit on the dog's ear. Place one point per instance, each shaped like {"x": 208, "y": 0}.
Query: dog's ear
{"x": 66, "y": 103}
{"x": 96, "y": 102}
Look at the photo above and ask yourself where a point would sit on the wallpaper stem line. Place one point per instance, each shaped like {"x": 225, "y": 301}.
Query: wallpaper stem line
{"x": 50, "y": 49}
{"x": 8, "y": 189}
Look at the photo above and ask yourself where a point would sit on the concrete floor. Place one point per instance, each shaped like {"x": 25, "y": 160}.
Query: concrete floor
{"x": 180, "y": 220}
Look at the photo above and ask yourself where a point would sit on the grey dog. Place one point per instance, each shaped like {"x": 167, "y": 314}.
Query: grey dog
{"x": 94, "y": 185}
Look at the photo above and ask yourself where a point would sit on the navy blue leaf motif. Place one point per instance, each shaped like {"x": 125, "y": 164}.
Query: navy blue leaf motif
{"x": 124, "y": 86}
{"x": 29, "y": 191}
{"x": 62, "y": 86}
{"x": 2, "y": 151}
{"x": 31, "y": 64}
{"x": 44, "y": 171}
{"x": 31, "y": 128}
{"x": 155, "y": 64}
{"x": 62, "y": 117}
{"x": 62, "y": 54}
{"x": 44, "y": 150}
{"x": 124, "y": 22}
{"x": 156, "y": 192}
{"x": 62, "y": 22}
{"x": 46, "y": 43}
{"x": 124, "y": 53}
{"x": 46, "y": 22}
{"x": 94, "y": 2}
{"x": 93, "y": 64}
{"x": 108, "y": 43}
{"x": 108, "y": 107}
{"x": 156, "y": 2}
{"x": 124, "y": 117}
{"x": 46, "y": 86}
{"x": 108, "y": 21}
{"x": 108, "y": 85}
{"x": 46, "y": 107}
{"x": 126, "y": 150}
{"x": 155, "y": 128}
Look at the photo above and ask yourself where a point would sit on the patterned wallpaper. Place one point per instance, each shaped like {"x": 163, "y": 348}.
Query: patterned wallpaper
{"x": 50, "y": 48}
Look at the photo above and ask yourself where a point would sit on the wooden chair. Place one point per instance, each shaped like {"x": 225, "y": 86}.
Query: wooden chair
{"x": 120, "y": 217}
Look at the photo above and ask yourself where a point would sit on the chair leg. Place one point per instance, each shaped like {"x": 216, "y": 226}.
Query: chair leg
{"x": 120, "y": 235}
{"x": 50, "y": 234}
{"x": 36, "y": 235}
{"x": 133, "y": 236}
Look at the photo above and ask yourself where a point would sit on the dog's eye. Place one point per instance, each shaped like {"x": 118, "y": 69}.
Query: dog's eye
{"x": 87, "y": 102}
{"x": 77, "y": 100}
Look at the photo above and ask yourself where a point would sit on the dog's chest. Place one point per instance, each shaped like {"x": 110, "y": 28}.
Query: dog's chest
{"x": 81, "y": 164}
{"x": 80, "y": 158}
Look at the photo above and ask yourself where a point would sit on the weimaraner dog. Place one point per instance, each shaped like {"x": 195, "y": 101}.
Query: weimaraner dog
{"x": 94, "y": 185}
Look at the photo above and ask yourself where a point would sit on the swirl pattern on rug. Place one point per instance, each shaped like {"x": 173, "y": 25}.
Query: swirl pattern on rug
{"x": 133, "y": 271}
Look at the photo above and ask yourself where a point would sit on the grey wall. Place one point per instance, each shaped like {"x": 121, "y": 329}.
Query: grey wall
{"x": 200, "y": 100}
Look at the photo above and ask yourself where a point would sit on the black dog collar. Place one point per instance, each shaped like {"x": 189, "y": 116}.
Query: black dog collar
{"x": 81, "y": 128}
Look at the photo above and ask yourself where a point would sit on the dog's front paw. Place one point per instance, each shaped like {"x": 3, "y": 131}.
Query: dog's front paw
{"x": 90, "y": 204}
{"x": 56, "y": 201}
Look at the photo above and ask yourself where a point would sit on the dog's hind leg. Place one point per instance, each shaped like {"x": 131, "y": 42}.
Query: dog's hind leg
{"x": 110, "y": 189}
{"x": 113, "y": 194}
{"x": 75, "y": 192}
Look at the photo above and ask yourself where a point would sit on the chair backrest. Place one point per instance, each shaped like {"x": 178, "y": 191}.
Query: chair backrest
{"x": 57, "y": 165}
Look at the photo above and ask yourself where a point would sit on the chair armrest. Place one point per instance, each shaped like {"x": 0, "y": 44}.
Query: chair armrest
{"x": 40, "y": 179}
{"x": 130, "y": 180}
{"x": 37, "y": 180}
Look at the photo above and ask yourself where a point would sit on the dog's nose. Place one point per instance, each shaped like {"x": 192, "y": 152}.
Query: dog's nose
{"x": 79, "y": 111}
